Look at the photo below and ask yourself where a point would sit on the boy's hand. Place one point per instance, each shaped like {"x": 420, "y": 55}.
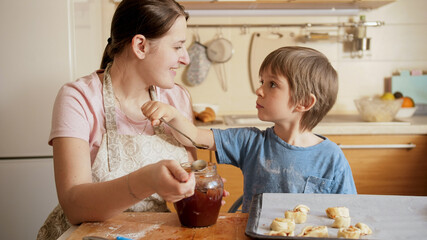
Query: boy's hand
{"x": 225, "y": 192}
{"x": 155, "y": 110}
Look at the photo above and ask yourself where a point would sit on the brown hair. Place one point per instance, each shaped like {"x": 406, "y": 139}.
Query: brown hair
{"x": 151, "y": 18}
{"x": 308, "y": 71}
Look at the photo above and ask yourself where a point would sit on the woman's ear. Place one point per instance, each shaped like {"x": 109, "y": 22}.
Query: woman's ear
{"x": 307, "y": 105}
{"x": 139, "y": 46}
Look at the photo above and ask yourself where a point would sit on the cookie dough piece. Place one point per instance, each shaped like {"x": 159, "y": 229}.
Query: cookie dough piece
{"x": 341, "y": 222}
{"x": 350, "y": 232}
{"x": 283, "y": 225}
{"x": 332, "y": 212}
{"x": 302, "y": 208}
{"x": 299, "y": 217}
{"x": 279, "y": 233}
{"x": 310, "y": 231}
{"x": 364, "y": 229}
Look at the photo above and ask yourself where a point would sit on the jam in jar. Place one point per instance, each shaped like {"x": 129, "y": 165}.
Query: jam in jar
{"x": 202, "y": 209}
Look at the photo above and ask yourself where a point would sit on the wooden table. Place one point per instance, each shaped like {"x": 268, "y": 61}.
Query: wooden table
{"x": 143, "y": 225}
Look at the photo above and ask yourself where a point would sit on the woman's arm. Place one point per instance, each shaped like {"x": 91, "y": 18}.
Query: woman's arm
{"x": 82, "y": 200}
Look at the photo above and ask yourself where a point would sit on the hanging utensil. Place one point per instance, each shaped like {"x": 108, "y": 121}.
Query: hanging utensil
{"x": 262, "y": 44}
{"x": 220, "y": 51}
{"x": 199, "y": 63}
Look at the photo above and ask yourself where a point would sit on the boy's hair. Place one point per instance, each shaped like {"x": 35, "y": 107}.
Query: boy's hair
{"x": 307, "y": 71}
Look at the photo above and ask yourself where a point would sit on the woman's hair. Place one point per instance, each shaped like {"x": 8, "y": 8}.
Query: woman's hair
{"x": 151, "y": 18}
{"x": 308, "y": 71}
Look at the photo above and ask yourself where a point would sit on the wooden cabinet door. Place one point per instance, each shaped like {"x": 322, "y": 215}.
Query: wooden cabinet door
{"x": 390, "y": 171}
{"x": 233, "y": 184}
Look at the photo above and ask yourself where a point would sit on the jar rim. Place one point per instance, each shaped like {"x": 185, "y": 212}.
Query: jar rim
{"x": 208, "y": 171}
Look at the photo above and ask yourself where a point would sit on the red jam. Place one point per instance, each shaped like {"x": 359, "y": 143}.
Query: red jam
{"x": 202, "y": 209}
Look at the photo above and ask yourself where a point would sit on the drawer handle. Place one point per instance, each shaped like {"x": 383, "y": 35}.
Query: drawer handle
{"x": 378, "y": 146}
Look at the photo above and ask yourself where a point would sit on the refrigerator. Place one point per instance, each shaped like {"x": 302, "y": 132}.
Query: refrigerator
{"x": 44, "y": 44}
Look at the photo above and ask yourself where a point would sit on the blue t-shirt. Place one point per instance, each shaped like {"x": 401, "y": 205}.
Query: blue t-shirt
{"x": 270, "y": 165}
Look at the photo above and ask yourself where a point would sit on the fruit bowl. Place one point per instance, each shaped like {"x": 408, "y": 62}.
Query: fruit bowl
{"x": 405, "y": 112}
{"x": 374, "y": 109}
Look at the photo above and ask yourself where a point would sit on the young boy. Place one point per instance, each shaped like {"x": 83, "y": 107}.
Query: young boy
{"x": 298, "y": 87}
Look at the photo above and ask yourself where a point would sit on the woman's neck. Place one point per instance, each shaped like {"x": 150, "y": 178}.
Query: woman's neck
{"x": 127, "y": 84}
{"x": 130, "y": 91}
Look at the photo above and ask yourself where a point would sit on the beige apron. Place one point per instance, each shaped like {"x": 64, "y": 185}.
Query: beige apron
{"x": 119, "y": 155}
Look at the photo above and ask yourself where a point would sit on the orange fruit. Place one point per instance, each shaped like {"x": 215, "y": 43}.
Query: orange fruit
{"x": 408, "y": 102}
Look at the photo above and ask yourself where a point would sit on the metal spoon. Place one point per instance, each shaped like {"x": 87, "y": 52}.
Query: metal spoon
{"x": 198, "y": 165}
{"x": 153, "y": 96}
{"x": 197, "y": 145}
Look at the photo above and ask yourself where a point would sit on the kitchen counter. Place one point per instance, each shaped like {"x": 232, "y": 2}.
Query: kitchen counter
{"x": 389, "y": 217}
{"x": 155, "y": 225}
{"x": 337, "y": 125}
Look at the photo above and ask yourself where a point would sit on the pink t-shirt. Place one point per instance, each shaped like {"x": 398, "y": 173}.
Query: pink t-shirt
{"x": 79, "y": 112}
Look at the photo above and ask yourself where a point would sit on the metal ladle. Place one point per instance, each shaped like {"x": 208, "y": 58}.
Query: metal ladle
{"x": 198, "y": 165}
{"x": 197, "y": 145}
{"x": 153, "y": 96}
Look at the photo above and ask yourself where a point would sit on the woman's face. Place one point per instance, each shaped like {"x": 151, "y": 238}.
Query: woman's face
{"x": 165, "y": 55}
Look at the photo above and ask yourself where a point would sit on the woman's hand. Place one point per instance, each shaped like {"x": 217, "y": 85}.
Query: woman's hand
{"x": 171, "y": 181}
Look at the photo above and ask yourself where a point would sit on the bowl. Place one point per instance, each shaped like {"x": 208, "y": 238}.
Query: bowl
{"x": 374, "y": 109}
{"x": 200, "y": 107}
{"x": 405, "y": 112}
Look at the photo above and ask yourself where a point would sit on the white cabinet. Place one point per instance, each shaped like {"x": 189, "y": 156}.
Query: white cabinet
{"x": 28, "y": 195}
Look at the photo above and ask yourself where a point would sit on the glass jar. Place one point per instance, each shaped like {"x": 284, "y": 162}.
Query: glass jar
{"x": 202, "y": 209}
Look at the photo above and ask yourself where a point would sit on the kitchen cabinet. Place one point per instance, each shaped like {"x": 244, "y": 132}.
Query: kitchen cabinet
{"x": 383, "y": 171}
{"x": 286, "y": 4}
{"x": 391, "y": 171}
{"x": 28, "y": 195}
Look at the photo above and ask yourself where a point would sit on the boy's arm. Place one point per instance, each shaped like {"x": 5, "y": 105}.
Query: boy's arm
{"x": 155, "y": 110}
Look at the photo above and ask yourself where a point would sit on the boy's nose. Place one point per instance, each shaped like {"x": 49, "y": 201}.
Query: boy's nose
{"x": 259, "y": 92}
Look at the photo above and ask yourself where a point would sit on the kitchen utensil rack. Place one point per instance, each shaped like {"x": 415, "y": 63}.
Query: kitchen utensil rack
{"x": 301, "y": 25}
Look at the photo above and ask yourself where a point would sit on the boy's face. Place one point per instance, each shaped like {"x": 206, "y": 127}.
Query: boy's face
{"x": 274, "y": 99}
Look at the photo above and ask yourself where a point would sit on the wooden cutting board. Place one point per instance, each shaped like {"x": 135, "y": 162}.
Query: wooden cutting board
{"x": 151, "y": 225}
{"x": 262, "y": 44}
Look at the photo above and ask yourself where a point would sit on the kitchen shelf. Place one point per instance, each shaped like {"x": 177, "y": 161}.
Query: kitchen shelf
{"x": 289, "y": 4}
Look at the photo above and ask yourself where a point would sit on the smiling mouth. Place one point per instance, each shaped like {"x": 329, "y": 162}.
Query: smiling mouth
{"x": 173, "y": 70}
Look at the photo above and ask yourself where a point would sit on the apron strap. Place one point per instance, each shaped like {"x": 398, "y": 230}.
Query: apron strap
{"x": 114, "y": 155}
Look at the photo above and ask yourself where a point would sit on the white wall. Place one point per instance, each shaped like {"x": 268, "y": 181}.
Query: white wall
{"x": 400, "y": 44}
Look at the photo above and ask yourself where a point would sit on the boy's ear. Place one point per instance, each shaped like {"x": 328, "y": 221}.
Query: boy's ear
{"x": 308, "y": 105}
{"x": 139, "y": 46}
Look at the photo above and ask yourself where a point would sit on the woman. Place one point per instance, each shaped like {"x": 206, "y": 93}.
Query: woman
{"x": 107, "y": 156}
